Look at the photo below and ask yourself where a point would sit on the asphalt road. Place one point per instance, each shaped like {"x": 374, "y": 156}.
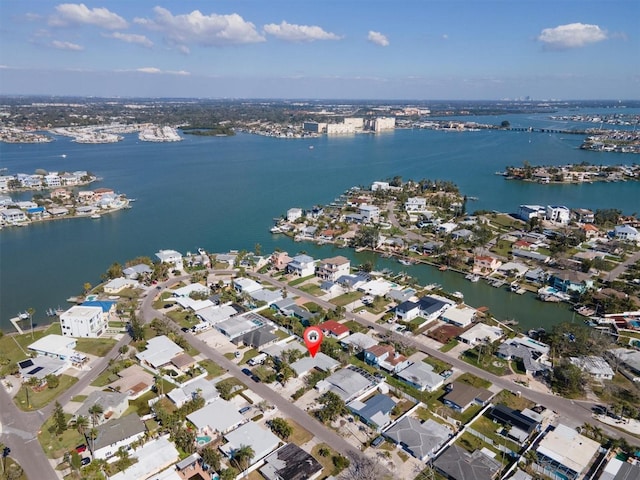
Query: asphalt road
{"x": 573, "y": 411}
{"x": 302, "y": 418}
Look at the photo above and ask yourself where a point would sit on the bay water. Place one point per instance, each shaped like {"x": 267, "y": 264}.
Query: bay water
{"x": 222, "y": 193}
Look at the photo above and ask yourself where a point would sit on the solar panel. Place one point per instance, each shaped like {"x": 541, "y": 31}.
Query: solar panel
{"x": 34, "y": 371}
{"x": 25, "y": 363}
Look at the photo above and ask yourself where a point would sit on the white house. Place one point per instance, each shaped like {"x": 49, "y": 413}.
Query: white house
{"x": 420, "y": 375}
{"x": 261, "y": 440}
{"x": 117, "y": 433}
{"x": 171, "y": 257}
{"x": 595, "y": 367}
{"x": 116, "y": 285}
{"x": 626, "y": 233}
{"x": 293, "y": 214}
{"x": 246, "y": 285}
{"x": 460, "y": 316}
{"x": 527, "y": 212}
{"x": 160, "y": 351}
{"x": 333, "y": 268}
{"x": 480, "y": 333}
{"x": 558, "y": 214}
{"x": 54, "y": 346}
{"x": 301, "y": 265}
{"x": 13, "y": 215}
{"x": 415, "y": 204}
{"x": 370, "y": 213}
{"x": 83, "y": 321}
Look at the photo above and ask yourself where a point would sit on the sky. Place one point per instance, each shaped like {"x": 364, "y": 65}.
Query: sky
{"x": 323, "y": 49}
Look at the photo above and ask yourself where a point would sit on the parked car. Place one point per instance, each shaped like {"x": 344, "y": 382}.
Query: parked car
{"x": 244, "y": 409}
{"x": 85, "y": 461}
{"x": 81, "y": 448}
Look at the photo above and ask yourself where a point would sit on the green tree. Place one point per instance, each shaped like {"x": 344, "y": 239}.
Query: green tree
{"x": 242, "y": 457}
{"x": 52, "y": 381}
{"x": 114, "y": 271}
{"x": 81, "y": 423}
{"x": 59, "y": 420}
{"x": 211, "y": 457}
{"x": 333, "y": 407}
{"x": 229, "y": 474}
{"x": 136, "y": 328}
{"x": 281, "y": 428}
{"x": 76, "y": 460}
{"x": 567, "y": 379}
{"x": 95, "y": 410}
{"x": 224, "y": 388}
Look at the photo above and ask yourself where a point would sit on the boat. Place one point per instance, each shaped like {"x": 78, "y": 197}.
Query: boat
{"x": 275, "y": 230}
{"x": 95, "y": 216}
{"x": 404, "y": 261}
{"x": 472, "y": 277}
{"x": 458, "y": 294}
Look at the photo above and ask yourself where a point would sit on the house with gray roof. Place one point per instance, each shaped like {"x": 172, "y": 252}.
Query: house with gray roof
{"x": 629, "y": 358}
{"x": 421, "y": 376}
{"x": 266, "y": 296}
{"x": 291, "y": 463}
{"x": 420, "y": 439}
{"x": 320, "y": 361}
{"x": 112, "y": 435}
{"x": 358, "y": 342}
{"x": 216, "y": 313}
{"x": 201, "y": 387}
{"x": 40, "y": 367}
{"x": 258, "y": 338}
{"x": 261, "y": 440}
{"x": 136, "y": 271}
{"x": 113, "y": 405}
{"x": 160, "y": 350}
{"x": 219, "y": 416}
{"x": 348, "y": 383}
{"x": 375, "y": 412}
{"x": 462, "y": 395}
{"x": 456, "y": 463}
{"x": 532, "y": 353}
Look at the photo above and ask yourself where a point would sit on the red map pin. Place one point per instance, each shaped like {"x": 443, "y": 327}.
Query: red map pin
{"x": 312, "y": 338}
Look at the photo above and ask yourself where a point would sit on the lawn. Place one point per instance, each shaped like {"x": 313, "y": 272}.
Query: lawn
{"x": 54, "y": 445}
{"x": 488, "y": 428}
{"x": 512, "y": 401}
{"x": 378, "y": 306}
{"x": 11, "y": 465}
{"x": 449, "y": 345}
{"x": 474, "y": 381}
{"x": 312, "y": 289}
{"x": 248, "y": 355}
{"x": 346, "y": 299}
{"x": 300, "y": 436}
{"x": 140, "y": 405}
{"x": 301, "y": 280}
{"x": 79, "y": 398}
{"x": 327, "y": 462}
{"x": 490, "y": 363}
{"x": 438, "y": 365}
{"x": 13, "y": 348}
{"x": 212, "y": 368}
{"x": 354, "y": 326}
{"x": 312, "y": 307}
{"x": 159, "y": 303}
{"x": 37, "y": 400}
{"x": 95, "y": 346}
{"x": 281, "y": 334}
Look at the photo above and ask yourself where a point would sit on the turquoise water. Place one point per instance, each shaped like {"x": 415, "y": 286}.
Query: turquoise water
{"x": 222, "y": 193}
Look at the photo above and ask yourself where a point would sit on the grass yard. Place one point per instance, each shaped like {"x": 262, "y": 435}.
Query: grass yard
{"x": 37, "y": 400}
{"x": 299, "y": 436}
{"x": 486, "y": 427}
{"x": 346, "y": 298}
{"x": 13, "y": 348}
{"x": 248, "y": 355}
{"x": 438, "y": 365}
{"x": 354, "y": 326}
{"x": 312, "y": 289}
{"x": 512, "y": 401}
{"x": 301, "y": 280}
{"x": 328, "y": 468}
{"x": 449, "y": 345}
{"x": 140, "y": 405}
{"x": 95, "y": 346}
{"x": 312, "y": 307}
{"x": 79, "y": 398}
{"x": 213, "y": 369}
{"x": 281, "y": 334}
{"x": 490, "y": 363}
{"x": 473, "y": 380}
{"x": 54, "y": 445}
{"x": 161, "y": 300}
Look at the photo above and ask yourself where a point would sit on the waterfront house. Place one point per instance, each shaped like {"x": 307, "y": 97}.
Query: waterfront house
{"x": 112, "y": 435}
{"x": 583, "y": 215}
{"x": 83, "y": 321}
{"x": 420, "y": 375}
{"x": 596, "y": 367}
{"x": 558, "y": 214}
{"x": 294, "y": 214}
{"x": 431, "y": 247}
{"x": 427, "y": 307}
{"x": 375, "y": 412}
{"x": 531, "y": 353}
{"x": 485, "y": 264}
{"x": 481, "y": 333}
{"x": 370, "y": 213}
{"x": 116, "y": 285}
{"x": 571, "y": 281}
{"x": 527, "y": 212}
{"x": 626, "y": 233}
{"x": 462, "y": 395}
{"x": 280, "y": 260}
{"x": 385, "y": 357}
{"x": 171, "y": 257}
{"x": 13, "y": 215}
{"x": 421, "y": 439}
{"x": 331, "y": 269}
{"x": 301, "y": 265}
{"x": 137, "y": 271}
{"x": 462, "y": 234}
{"x": 460, "y": 316}
{"x": 563, "y": 453}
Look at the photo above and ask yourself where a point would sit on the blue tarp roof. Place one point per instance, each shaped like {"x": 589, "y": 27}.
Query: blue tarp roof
{"x": 104, "y": 304}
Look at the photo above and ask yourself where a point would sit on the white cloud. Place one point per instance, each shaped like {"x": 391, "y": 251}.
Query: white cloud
{"x": 130, "y": 38}
{"x": 206, "y": 30}
{"x": 79, "y": 14}
{"x": 60, "y": 45}
{"x": 445, "y": 36}
{"x": 298, "y": 33}
{"x": 156, "y": 71}
{"x": 378, "y": 38}
{"x": 572, "y": 35}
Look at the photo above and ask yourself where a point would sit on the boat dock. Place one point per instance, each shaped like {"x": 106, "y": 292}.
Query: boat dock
{"x": 15, "y": 322}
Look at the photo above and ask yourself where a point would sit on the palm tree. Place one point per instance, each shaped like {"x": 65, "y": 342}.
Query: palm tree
{"x": 2, "y": 447}
{"x": 93, "y": 434}
{"x": 242, "y": 457}
{"x": 81, "y": 423}
{"x": 95, "y": 411}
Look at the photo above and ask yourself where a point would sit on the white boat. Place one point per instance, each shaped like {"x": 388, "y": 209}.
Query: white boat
{"x": 472, "y": 277}
{"x": 404, "y": 261}
{"x": 275, "y": 230}
{"x": 458, "y": 294}
{"x": 95, "y": 215}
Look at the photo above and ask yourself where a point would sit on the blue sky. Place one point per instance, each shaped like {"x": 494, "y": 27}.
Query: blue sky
{"x": 368, "y": 49}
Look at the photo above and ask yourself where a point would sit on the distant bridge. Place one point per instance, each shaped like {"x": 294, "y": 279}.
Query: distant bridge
{"x": 548, "y": 130}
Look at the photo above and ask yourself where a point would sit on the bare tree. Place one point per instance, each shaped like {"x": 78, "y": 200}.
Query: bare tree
{"x": 364, "y": 468}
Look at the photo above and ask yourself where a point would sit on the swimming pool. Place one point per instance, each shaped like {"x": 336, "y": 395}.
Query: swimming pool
{"x": 201, "y": 441}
